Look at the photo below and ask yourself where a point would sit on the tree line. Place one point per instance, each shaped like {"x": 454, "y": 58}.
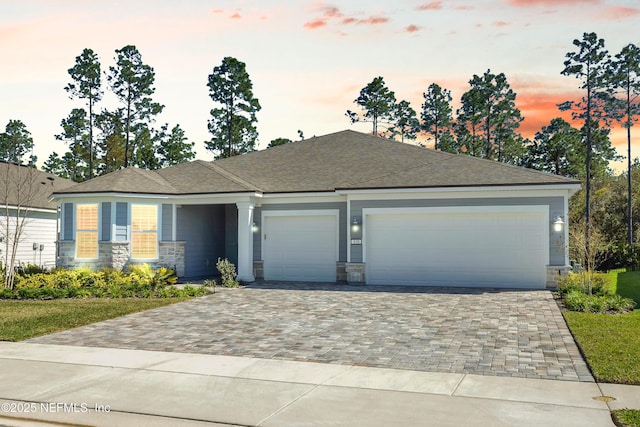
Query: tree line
{"x": 102, "y": 140}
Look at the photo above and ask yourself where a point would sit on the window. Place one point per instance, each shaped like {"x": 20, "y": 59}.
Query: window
{"x": 144, "y": 231}
{"x": 87, "y": 230}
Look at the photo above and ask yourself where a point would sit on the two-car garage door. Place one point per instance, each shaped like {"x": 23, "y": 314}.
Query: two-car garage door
{"x": 505, "y": 246}
{"x": 496, "y": 247}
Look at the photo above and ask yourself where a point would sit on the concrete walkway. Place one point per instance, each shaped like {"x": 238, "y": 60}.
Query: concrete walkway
{"x": 42, "y": 383}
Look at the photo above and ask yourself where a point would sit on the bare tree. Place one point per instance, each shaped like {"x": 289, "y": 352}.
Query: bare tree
{"x": 587, "y": 247}
{"x": 18, "y": 190}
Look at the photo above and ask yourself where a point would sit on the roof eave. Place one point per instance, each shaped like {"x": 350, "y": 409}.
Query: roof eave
{"x": 570, "y": 186}
{"x": 130, "y": 194}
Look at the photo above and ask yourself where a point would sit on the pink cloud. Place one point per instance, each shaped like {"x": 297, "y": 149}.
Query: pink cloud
{"x": 412, "y": 28}
{"x": 501, "y": 24}
{"x": 618, "y": 12}
{"x": 315, "y": 24}
{"x": 373, "y": 20}
{"x": 332, "y": 12}
{"x": 434, "y": 5}
{"x": 349, "y": 20}
{"x": 235, "y": 16}
{"x": 534, "y": 3}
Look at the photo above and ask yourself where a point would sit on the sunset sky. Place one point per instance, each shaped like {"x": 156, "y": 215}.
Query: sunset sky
{"x": 307, "y": 60}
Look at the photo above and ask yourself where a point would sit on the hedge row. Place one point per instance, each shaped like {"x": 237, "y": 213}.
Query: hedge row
{"x": 139, "y": 281}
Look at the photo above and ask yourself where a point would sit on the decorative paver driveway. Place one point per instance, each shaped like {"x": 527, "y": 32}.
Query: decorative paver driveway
{"x": 479, "y": 331}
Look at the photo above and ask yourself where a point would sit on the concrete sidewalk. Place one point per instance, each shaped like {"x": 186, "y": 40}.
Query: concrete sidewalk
{"x": 104, "y": 387}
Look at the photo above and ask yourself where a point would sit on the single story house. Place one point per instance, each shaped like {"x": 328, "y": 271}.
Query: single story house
{"x": 345, "y": 206}
{"x": 25, "y": 194}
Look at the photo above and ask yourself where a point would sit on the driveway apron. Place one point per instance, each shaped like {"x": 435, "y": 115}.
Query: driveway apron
{"x": 512, "y": 333}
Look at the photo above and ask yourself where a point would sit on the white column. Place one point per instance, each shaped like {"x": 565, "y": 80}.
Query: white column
{"x": 245, "y": 241}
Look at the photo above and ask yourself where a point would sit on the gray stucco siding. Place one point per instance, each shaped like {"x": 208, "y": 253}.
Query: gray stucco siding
{"x": 555, "y": 204}
{"x": 342, "y": 223}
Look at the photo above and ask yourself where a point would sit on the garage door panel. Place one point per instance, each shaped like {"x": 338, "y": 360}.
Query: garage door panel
{"x": 300, "y": 247}
{"x": 457, "y": 248}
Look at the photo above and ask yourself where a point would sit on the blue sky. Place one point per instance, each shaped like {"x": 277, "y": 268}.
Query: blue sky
{"x": 307, "y": 59}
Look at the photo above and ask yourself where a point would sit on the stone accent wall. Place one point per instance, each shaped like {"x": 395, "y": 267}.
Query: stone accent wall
{"x": 341, "y": 271}
{"x": 66, "y": 252}
{"x": 554, "y": 272}
{"x": 258, "y": 269}
{"x": 355, "y": 272}
{"x": 116, "y": 255}
{"x": 113, "y": 255}
{"x": 171, "y": 254}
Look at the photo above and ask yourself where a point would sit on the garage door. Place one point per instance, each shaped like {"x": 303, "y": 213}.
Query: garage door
{"x": 500, "y": 248}
{"x": 301, "y": 247}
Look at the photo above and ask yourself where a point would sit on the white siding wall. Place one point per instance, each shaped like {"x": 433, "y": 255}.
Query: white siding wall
{"x": 40, "y": 228}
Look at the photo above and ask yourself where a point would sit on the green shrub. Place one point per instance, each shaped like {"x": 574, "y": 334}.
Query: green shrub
{"x": 600, "y": 283}
{"x": 29, "y": 269}
{"x": 576, "y": 300}
{"x": 227, "y": 272}
{"x": 620, "y": 304}
{"x": 155, "y": 278}
{"x": 141, "y": 282}
{"x": 34, "y": 281}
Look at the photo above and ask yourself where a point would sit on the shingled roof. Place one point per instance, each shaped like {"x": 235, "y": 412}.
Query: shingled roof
{"x": 344, "y": 160}
{"x": 26, "y": 187}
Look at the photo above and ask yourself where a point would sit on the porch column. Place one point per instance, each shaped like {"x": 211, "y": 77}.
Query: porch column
{"x": 245, "y": 241}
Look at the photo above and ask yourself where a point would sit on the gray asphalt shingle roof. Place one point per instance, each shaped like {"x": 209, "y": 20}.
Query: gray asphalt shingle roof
{"x": 28, "y": 187}
{"x": 339, "y": 161}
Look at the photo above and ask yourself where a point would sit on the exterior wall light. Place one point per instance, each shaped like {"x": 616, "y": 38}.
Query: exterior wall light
{"x": 254, "y": 227}
{"x": 355, "y": 224}
{"x": 558, "y": 224}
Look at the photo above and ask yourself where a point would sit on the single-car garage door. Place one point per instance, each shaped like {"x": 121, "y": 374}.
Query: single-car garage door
{"x": 300, "y": 247}
{"x": 491, "y": 246}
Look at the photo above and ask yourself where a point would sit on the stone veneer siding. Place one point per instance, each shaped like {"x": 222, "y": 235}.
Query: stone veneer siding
{"x": 341, "y": 273}
{"x": 116, "y": 255}
{"x": 554, "y": 273}
{"x": 355, "y": 272}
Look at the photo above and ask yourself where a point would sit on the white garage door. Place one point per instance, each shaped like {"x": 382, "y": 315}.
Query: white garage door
{"x": 300, "y": 247}
{"x": 505, "y": 248}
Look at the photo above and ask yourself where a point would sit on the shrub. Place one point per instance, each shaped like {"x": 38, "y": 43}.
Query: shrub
{"x": 600, "y": 284}
{"x": 141, "y": 282}
{"x": 227, "y": 272}
{"x": 29, "y": 269}
{"x": 576, "y": 300}
{"x": 155, "y": 278}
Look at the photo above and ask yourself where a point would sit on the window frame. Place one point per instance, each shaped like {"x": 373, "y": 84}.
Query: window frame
{"x": 144, "y": 231}
{"x": 76, "y": 230}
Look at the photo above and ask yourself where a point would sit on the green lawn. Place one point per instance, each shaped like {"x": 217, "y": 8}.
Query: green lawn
{"x": 627, "y": 417}
{"x": 20, "y": 320}
{"x": 627, "y": 284}
{"x": 611, "y": 342}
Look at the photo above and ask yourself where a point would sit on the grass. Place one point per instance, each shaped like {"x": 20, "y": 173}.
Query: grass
{"x": 611, "y": 343}
{"x": 21, "y": 320}
{"x": 627, "y": 284}
{"x": 626, "y": 417}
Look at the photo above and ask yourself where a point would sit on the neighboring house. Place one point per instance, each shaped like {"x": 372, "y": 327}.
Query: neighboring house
{"x": 25, "y": 194}
{"x": 341, "y": 206}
